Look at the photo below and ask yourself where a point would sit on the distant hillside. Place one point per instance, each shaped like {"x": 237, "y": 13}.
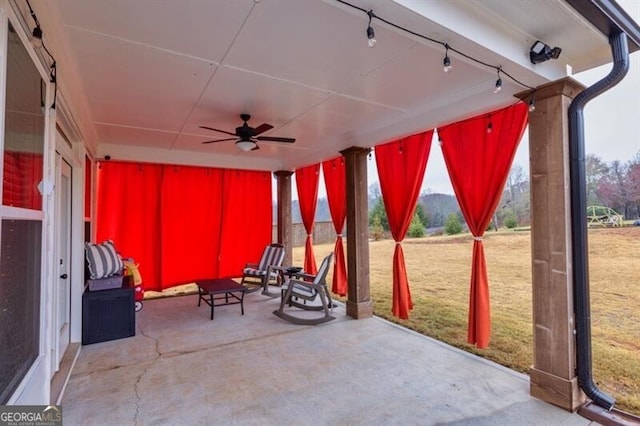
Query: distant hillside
{"x": 438, "y": 207}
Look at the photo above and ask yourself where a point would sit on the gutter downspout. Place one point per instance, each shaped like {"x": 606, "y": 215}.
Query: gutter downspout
{"x": 579, "y": 255}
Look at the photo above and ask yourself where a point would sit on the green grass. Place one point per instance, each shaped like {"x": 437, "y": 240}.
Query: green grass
{"x": 439, "y": 268}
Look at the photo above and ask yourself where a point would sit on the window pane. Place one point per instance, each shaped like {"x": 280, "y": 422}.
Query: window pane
{"x": 19, "y": 301}
{"x": 24, "y": 129}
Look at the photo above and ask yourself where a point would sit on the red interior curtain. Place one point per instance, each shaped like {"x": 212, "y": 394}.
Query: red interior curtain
{"x": 478, "y": 153}
{"x": 128, "y": 212}
{"x": 307, "y": 184}
{"x": 22, "y": 174}
{"x": 246, "y": 220}
{"x": 335, "y": 182}
{"x": 191, "y": 203}
{"x": 401, "y": 165}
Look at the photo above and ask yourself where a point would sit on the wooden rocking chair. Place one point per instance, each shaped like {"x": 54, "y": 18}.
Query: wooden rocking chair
{"x": 307, "y": 288}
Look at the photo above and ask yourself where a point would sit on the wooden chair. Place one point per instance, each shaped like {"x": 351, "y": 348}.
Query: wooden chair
{"x": 307, "y": 288}
{"x": 259, "y": 275}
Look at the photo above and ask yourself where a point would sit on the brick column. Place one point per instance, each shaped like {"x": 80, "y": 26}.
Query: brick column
{"x": 359, "y": 296}
{"x": 283, "y": 178}
{"x": 553, "y": 375}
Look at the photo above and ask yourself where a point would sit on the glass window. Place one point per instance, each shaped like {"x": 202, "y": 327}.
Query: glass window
{"x": 20, "y": 235}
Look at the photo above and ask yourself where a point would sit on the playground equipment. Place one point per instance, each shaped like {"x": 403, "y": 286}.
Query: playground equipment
{"x": 603, "y": 216}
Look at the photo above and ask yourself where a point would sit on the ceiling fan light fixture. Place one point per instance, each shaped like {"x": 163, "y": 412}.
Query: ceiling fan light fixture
{"x": 246, "y": 145}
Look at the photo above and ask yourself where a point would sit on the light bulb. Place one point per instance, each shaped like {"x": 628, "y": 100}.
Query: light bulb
{"x": 447, "y": 64}
{"x": 532, "y": 105}
{"x": 498, "y": 86}
{"x": 371, "y": 35}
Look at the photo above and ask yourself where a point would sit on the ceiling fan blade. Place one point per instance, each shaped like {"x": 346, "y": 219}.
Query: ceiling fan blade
{"x": 220, "y": 140}
{"x": 275, "y": 139}
{"x": 255, "y": 148}
{"x": 262, "y": 128}
{"x": 218, "y": 130}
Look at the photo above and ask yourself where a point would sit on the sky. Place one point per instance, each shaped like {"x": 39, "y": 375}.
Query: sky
{"x": 612, "y": 131}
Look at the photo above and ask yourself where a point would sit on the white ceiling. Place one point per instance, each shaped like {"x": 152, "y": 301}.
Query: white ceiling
{"x": 147, "y": 73}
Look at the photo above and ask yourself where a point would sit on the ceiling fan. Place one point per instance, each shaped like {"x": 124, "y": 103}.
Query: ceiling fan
{"x": 247, "y": 137}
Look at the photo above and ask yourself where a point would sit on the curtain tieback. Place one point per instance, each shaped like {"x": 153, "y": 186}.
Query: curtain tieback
{"x": 309, "y": 235}
{"x": 478, "y": 238}
{"x": 340, "y": 235}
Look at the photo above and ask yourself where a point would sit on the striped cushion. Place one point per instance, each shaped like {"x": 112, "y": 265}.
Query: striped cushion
{"x": 103, "y": 260}
{"x": 272, "y": 255}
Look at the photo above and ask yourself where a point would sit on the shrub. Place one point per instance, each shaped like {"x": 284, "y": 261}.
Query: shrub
{"x": 416, "y": 228}
{"x": 452, "y": 226}
{"x": 376, "y": 231}
{"x": 510, "y": 220}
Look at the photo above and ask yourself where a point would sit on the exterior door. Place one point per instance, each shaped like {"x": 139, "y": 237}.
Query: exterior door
{"x": 63, "y": 270}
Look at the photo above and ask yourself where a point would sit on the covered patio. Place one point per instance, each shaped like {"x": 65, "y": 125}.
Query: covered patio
{"x": 182, "y": 368}
{"x": 152, "y": 85}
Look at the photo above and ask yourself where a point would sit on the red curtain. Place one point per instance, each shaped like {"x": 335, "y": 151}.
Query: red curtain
{"x": 87, "y": 187}
{"x": 128, "y": 212}
{"x": 190, "y": 215}
{"x": 335, "y": 182}
{"x": 307, "y": 184}
{"x": 478, "y": 153}
{"x": 184, "y": 223}
{"x": 247, "y": 220}
{"x": 401, "y": 165}
{"x": 22, "y": 174}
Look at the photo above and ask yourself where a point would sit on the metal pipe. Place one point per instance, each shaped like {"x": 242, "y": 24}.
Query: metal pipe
{"x": 579, "y": 255}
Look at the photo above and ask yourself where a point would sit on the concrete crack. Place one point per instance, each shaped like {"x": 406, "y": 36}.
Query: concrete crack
{"x": 141, "y": 375}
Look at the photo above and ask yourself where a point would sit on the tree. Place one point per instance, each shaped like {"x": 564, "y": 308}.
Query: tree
{"x": 376, "y": 230}
{"x": 379, "y": 212}
{"x": 453, "y": 226}
{"x": 595, "y": 170}
{"x": 422, "y": 215}
{"x": 612, "y": 188}
{"x": 633, "y": 181}
{"x": 416, "y": 228}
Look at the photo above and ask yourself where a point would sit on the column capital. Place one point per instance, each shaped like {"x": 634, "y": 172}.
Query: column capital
{"x": 354, "y": 150}
{"x": 282, "y": 173}
{"x": 566, "y": 86}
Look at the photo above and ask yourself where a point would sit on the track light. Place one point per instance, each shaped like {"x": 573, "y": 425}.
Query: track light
{"x": 446, "y": 62}
{"x": 371, "y": 34}
{"x": 541, "y": 52}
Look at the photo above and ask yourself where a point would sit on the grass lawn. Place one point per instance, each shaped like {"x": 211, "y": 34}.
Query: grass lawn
{"x": 439, "y": 271}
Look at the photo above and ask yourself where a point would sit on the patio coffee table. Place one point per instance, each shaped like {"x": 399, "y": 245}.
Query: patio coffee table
{"x": 226, "y": 286}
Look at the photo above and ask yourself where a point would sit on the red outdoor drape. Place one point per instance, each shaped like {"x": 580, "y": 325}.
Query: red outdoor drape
{"x": 246, "y": 225}
{"x": 401, "y": 165}
{"x": 191, "y": 204}
{"x": 184, "y": 223}
{"x": 87, "y": 187}
{"x": 478, "y": 153}
{"x": 335, "y": 182}
{"x": 128, "y": 212}
{"x": 307, "y": 184}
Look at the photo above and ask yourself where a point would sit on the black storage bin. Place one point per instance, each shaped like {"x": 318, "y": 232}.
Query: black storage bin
{"x": 108, "y": 314}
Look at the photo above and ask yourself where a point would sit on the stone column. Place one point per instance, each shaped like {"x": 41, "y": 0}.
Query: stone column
{"x": 359, "y": 295}
{"x": 553, "y": 375}
{"x": 283, "y": 178}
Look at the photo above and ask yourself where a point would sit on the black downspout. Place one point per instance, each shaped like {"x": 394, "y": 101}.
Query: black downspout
{"x": 579, "y": 255}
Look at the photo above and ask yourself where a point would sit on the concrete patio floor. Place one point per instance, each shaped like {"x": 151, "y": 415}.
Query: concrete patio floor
{"x": 182, "y": 368}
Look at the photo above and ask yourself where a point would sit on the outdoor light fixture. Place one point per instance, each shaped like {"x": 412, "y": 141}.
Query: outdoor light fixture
{"x": 371, "y": 34}
{"x": 37, "y": 36}
{"x": 246, "y": 145}
{"x": 498, "y": 87}
{"x": 532, "y": 105}
{"x": 446, "y": 62}
{"x": 541, "y": 52}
